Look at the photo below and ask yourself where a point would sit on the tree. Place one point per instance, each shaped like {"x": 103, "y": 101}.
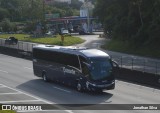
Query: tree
{"x": 6, "y": 25}
{"x": 135, "y": 21}
{"x": 4, "y": 14}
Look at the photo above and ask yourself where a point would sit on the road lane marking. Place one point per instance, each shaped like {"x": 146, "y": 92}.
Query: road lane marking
{"x": 3, "y": 71}
{"x": 28, "y": 68}
{"x": 2, "y": 86}
{"x": 38, "y": 99}
{"x": 10, "y": 93}
{"x": 62, "y": 89}
{"x": 69, "y": 111}
{"x": 19, "y": 101}
{"x": 30, "y": 95}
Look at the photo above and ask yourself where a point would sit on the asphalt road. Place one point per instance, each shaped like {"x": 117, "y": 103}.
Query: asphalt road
{"x": 19, "y": 85}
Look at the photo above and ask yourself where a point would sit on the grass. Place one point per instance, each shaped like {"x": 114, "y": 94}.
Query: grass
{"x": 7, "y": 111}
{"x": 126, "y": 47}
{"x": 68, "y": 40}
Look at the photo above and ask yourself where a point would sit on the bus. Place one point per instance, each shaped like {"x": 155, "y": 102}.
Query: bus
{"x": 80, "y": 67}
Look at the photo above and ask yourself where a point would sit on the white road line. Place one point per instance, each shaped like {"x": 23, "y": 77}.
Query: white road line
{"x": 28, "y": 68}
{"x": 30, "y": 95}
{"x": 44, "y": 111}
{"x": 38, "y": 99}
{"x": 3, "y": 71}
{"x": 19, "y": 101}
{"x": 11, "y": 93}
{"x": 62, "y": 89}
{"x": 2, "y": 86}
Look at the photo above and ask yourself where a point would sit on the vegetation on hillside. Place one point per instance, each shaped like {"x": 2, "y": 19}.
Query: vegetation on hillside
{"x": 25, "y": 10}
{"x": 30, "y": 13}
{"x": 136, "y": 23}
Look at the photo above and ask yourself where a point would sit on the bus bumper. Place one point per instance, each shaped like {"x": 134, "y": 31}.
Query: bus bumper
{"x": 96, "y": 87}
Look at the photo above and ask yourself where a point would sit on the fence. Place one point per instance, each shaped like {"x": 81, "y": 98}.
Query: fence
{"x": 22, "y": 46}
{"x": 139, "y": 64}
{"x": 133, "y": 63}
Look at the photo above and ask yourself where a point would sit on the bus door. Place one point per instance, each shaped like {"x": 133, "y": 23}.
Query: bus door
{"x": 71, "y": 74}
{"x": 72, "y": 69}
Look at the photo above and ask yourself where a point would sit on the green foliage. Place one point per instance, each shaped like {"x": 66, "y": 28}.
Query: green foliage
{"x": 7, "y": 26}
{"x": 31, "y": 12}
{"x": 30, "y": 26}
{"x": 127, "y": 47}
{"x": 65, "y": 9}
{"x": 75, "y": 4}
{"x": 134, "y": 21}
{"x": 4, "y": 13}
{"x": 68, "y": 40}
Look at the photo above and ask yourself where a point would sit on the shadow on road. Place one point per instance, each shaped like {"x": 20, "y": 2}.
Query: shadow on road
{"x": 60, "y": 94}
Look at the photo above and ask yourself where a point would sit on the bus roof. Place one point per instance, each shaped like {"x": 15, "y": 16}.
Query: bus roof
{"x": 94, "y": 53}
{"x": 74, "y": 50}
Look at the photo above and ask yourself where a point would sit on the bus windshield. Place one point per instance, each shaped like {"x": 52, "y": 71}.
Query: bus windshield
{"x": 100, "y": 68}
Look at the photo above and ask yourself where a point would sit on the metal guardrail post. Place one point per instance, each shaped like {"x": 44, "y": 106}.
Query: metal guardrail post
{"x": 156, "y": 67}
{"x": 132, "y": 63}
{"x": 18, "y": 46}
{"x": 121, "y": 61}
{"x": 22, "y": 45}
{"x": 32, "y": 48}
{"x": 27, "y": 47}
{"x": 144, "y": 68}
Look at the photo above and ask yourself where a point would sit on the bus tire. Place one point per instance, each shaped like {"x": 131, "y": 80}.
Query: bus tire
{"x": 44, "y": 77}
{"x": 79, "y": 87}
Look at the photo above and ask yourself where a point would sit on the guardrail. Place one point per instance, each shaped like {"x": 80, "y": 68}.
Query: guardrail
{"x": 138, "y": 64}
{"x": 132, "y": 63}
{"x": 22, "y": 46}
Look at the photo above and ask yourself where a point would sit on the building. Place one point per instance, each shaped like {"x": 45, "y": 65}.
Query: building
{"x": 68, "y": 1}
{"x": 52, "y": 1}
{"x": 82, "y": 0}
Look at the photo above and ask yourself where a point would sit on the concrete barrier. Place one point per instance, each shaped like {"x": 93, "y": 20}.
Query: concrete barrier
{"x": 139, "y": 77}
{"x": 15, "y": 52}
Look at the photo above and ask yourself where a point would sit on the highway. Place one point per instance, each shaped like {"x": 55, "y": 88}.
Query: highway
{"x": 19, "y": 85}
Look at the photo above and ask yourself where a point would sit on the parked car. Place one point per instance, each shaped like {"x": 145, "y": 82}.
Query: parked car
{"x": 64, "y": 31}
{"x": 11, "y": 40}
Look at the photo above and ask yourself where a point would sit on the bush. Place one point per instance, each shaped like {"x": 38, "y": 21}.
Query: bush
{"x": 8, "y": 26}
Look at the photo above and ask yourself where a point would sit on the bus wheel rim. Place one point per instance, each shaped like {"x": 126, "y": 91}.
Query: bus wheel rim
{"x": 79, "y": 87}
{"x": 44, "y": 77}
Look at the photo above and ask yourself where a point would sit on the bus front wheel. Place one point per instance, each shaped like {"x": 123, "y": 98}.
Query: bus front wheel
{"x": 79, "y": 87}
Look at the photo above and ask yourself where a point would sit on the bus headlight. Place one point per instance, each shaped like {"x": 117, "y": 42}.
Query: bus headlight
{"x": 88, "y": 83}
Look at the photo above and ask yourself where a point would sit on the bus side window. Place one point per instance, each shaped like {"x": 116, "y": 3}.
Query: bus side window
{"x": 71, "y": 60}
{"x": 84, "y": 67}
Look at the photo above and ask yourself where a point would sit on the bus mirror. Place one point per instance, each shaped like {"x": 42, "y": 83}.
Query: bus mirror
{"x": 88, "y": 65}
{"x": 115, "y": 64}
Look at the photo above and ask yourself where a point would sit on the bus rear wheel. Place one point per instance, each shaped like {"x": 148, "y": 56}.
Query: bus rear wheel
{"x": 45, "y": 77}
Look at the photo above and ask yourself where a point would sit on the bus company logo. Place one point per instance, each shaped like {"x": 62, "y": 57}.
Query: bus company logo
{"x": 65, "y": 70}
{"x": 6, "y": 107}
